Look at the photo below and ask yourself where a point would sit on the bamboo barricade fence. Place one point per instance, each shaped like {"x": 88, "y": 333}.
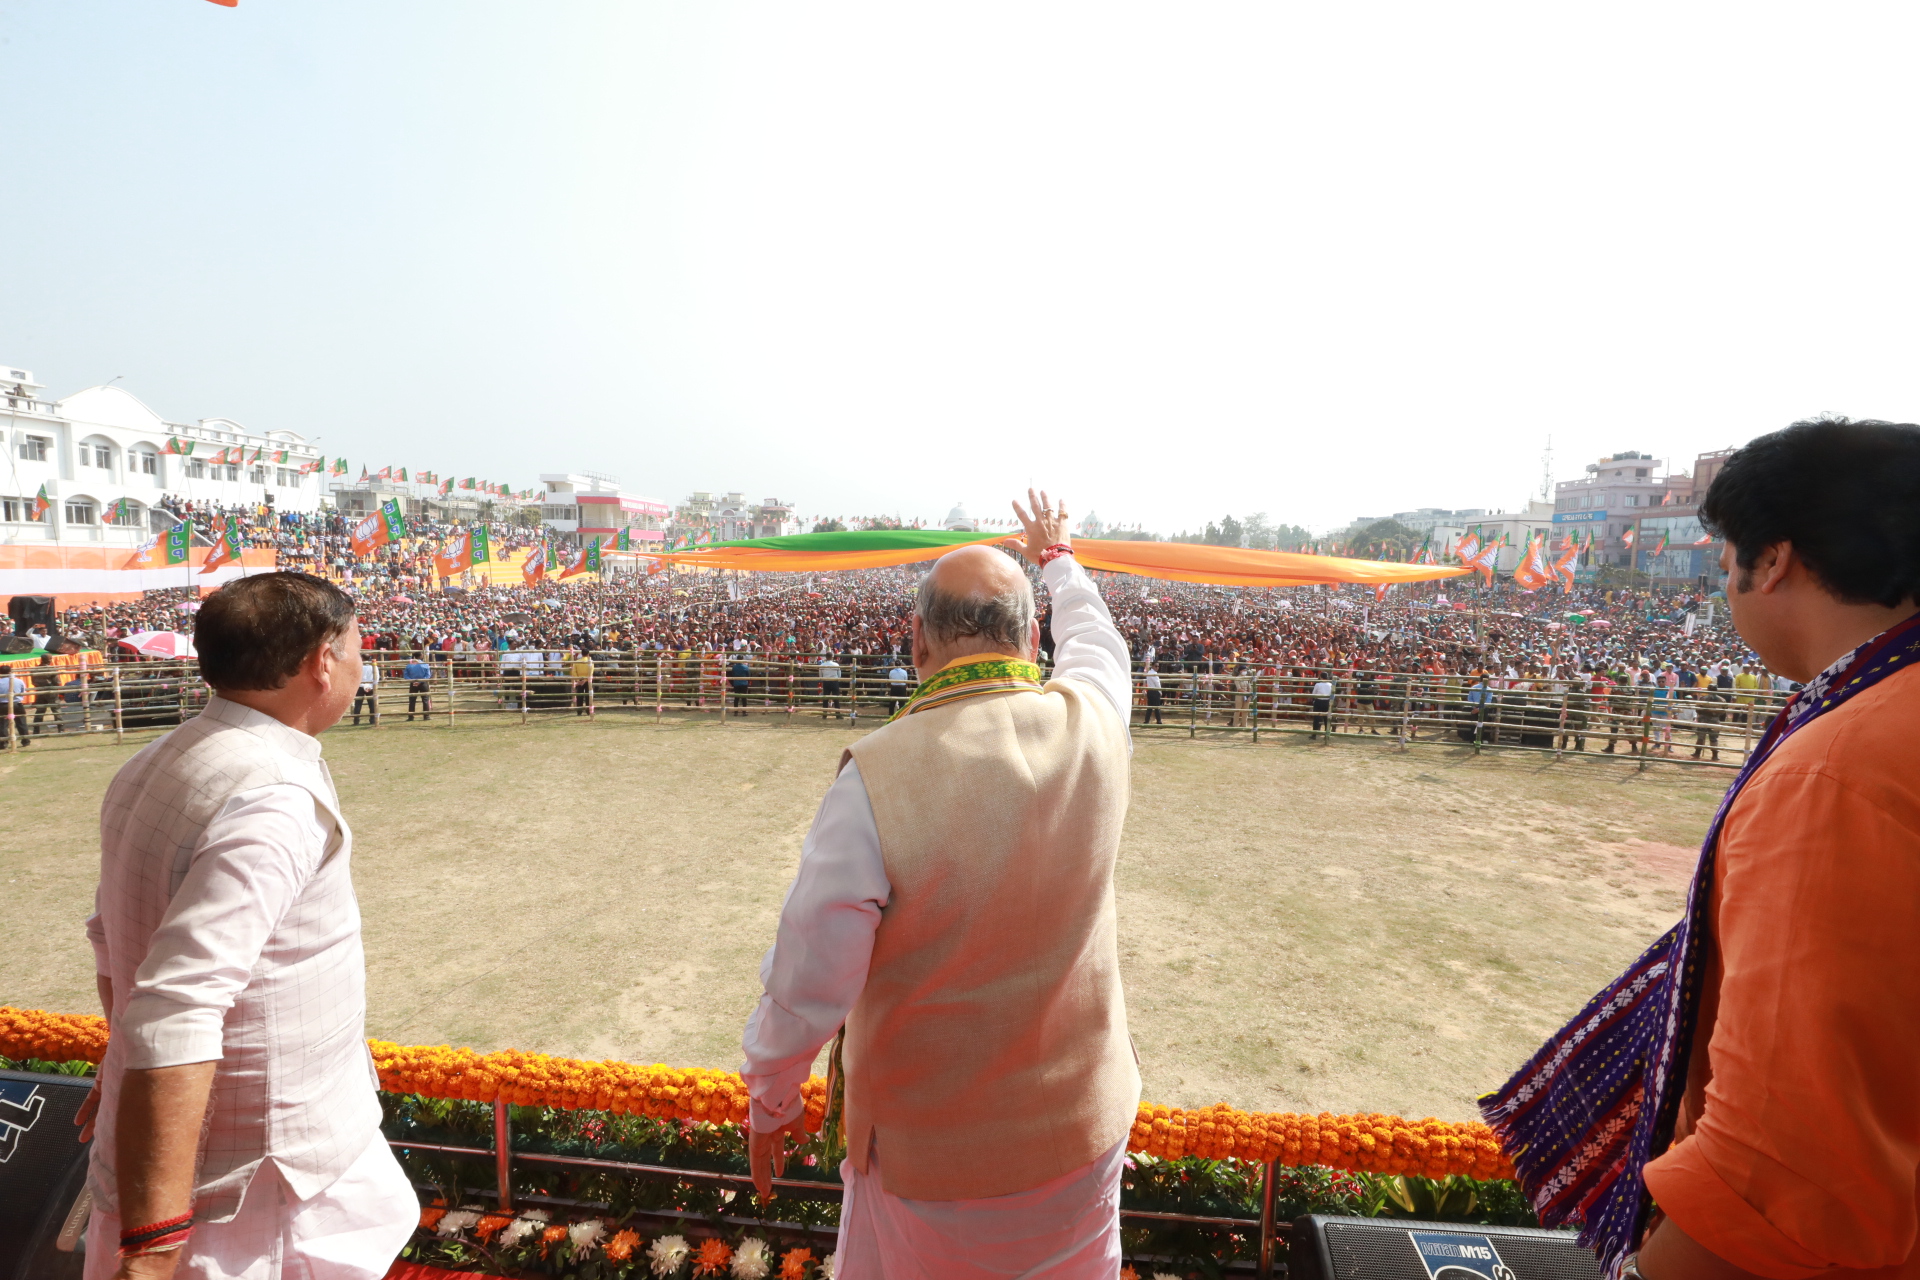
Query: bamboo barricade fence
{"x": 1708, "y": 727}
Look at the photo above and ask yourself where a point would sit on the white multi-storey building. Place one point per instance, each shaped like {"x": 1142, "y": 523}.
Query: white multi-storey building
{"x": 100, "y": 445}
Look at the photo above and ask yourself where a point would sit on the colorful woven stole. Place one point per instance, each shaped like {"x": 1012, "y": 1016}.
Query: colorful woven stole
{"x": 1599, "y": 1100}
{"x": 991, "y": 673}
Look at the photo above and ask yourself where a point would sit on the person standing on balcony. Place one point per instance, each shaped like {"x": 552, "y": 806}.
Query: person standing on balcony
{"x": 238, "y": 1123}
{"x": 1745, "y": 1105}
{"x": 954, "y": 911}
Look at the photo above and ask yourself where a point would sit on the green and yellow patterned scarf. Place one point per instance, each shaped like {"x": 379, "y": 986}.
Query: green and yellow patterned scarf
{"x": 971, "y": 677}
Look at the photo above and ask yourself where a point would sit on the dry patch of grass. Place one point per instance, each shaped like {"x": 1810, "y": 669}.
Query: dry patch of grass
{"x": 1340, "y": 927}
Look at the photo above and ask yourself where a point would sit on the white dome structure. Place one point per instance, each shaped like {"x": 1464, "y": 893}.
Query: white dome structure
{"x": 959, "y": 521}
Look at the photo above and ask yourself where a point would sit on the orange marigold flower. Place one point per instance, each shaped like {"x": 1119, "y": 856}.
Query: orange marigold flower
{"x": 621, "y": 1247}
{"x": 712, "y": 1258}
{"x": 430, "y": 1217}
{"x": 490, "y": 1224}
{"x": 794, "y": 1264}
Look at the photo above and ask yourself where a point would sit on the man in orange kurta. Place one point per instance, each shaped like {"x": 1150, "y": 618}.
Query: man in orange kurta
{"x": 1797, "y": 1150}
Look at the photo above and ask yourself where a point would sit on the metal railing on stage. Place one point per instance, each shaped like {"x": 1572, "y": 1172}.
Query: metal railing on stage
{"x": 1705, "y": 726}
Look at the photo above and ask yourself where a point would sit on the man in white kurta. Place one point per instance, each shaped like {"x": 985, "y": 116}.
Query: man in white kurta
{"x": 227, "y": 940}
{"x": 1039, "y": 1212}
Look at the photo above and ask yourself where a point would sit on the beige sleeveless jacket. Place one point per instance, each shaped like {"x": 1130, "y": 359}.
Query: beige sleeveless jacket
{"x": 988, "y": 1052}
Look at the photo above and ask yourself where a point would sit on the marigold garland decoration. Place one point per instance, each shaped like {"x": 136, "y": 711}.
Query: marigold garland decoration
{"x": 55, "y": 1037}
{"x": 1370, "y": 1143}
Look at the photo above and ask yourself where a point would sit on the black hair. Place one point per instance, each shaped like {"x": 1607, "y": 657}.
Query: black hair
{"x": 1845, "y": 494}
{"x": 255, "y": 632}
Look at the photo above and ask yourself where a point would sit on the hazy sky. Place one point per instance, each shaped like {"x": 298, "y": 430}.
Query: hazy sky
{"x": 1174, "y": 261}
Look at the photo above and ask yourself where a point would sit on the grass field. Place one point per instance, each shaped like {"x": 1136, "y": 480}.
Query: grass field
{"x": 1303, "y": 926}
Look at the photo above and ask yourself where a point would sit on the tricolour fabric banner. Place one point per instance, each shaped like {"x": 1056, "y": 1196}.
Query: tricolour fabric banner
{"x": 1176, "y": 561}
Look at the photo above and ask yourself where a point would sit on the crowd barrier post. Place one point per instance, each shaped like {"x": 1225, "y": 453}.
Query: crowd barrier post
{"x": 659, "y": 680}
{"x": 503, "y": 1153}
{"x": 1193, "y": 703}
{"x": 591, "y": 706}
{"x": 12, "y": 709}
{"x": 1646, "y": 733}
{"x": 376, "y": 693}
{"x": 1266, "y": 1221}
{"x": 119, "y": 720}
{"x": 791, "y": 685}
{"x": 448, "y": 664}
{"x": 1253, "y": 709}
{"x": 523, "y": 688}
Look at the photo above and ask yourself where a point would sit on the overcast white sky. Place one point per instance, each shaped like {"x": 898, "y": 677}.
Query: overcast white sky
{"x": 1174, "y": 261}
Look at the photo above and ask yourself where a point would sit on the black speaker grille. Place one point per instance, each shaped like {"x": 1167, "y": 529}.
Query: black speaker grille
{"x": 1378, "y": 1251}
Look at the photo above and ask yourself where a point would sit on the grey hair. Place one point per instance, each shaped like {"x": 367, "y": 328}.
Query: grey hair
{"x": 1002, "y": 619}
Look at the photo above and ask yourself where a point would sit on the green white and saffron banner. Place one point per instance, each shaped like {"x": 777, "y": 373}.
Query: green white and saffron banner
{"x": 1175, "y": 561}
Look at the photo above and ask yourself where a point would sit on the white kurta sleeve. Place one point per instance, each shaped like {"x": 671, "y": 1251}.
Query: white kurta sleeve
{"x": 817, "y": 965}
{"x": 254, "y": 858}
{"x": 1086, "y": 644}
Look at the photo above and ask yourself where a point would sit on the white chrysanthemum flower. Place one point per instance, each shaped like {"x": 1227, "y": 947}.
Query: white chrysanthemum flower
{"x": 1164, "y": 1275}
{"x": 752, "y": 1260}
{"x": 829, "y": 1264}
{"x": 585, "y": 1235}
{"x": 666, "y": 1254}
{"x": 454, "y": 1221}
{"x": 529, "y": 1222}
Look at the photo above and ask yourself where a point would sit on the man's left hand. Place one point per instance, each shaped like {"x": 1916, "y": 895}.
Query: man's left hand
{"x": 767, "y": 1156}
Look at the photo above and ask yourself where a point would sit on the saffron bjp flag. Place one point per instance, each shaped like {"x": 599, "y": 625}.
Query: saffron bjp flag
{"x": 339, "y": 467}
{"x": 1659, "y": 546}
{"x": 1484, "y": 559}
{"x": 1628, "y": 538}
{"x": 1563, "y": 566}
{"x": 162, "y": 549}
{"x": 576, "y": 563}
{"x": 456, "y": 558}
{"x": 1469, "y": 547}
{"x": 1704, "y": 540}
{"x": 226, "y": 543}
{"x": 1531, "y": 573}
{"x": 40, "y": 503}
{"x": 467, "y": 483}
{"x": 280, "y": 457}
{"x": 367, "y": 535}
{"x": 446, "y": 487}
{"x": 175, "y": 445}
{"x": 401, "y": 475}
{"x": 534, "y": 567}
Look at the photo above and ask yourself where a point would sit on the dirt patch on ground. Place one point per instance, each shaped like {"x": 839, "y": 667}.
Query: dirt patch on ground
{"x": 1303, "y": 926}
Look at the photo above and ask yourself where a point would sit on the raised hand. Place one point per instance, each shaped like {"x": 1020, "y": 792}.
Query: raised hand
{"x": 1046, "y": 527}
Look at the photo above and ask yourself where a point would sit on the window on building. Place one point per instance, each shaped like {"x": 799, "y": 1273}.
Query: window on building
{"x": 35, "y": 448}
{"x": 14, "y": 510}
{"x": 143, "y": 462}
{"x": 286, "y": 478}
{"x": 79, "y": 511}
{"x": 257, "y": 475}
{"x": 196, "y": 469}
{"x": 96, "y": 455}
{"x": 233, "y": 471}
{"x": 1640, "y": 473}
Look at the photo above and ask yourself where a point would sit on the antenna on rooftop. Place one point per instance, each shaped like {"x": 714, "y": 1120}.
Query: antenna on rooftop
{"x": 1546, "y": 472}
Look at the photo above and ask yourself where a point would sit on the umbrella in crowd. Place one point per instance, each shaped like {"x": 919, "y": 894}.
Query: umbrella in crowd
{"x": 161, "y": 644}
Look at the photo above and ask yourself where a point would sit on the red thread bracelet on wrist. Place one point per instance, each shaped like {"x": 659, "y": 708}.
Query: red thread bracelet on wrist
{"x": 157, "y": 1237}
{"x": 1054, "y": 552}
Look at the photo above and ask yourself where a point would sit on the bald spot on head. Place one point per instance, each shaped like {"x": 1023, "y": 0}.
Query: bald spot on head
{"x": 977, "y": 573}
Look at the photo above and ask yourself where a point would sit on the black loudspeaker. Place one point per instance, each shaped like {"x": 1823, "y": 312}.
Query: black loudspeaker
{"x": 1327, "y": 1248}
{"x": 27, "y": 610}
{"x": 43, "y": 1168}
